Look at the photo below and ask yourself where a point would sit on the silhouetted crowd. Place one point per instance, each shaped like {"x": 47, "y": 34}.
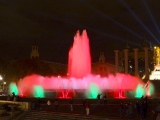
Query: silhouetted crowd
{"x": 141, "y": 108}
{"x": 126, "y": 110}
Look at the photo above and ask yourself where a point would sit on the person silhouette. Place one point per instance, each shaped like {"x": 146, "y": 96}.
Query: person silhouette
{"x": 99, "y": 97}
{"x": 105, "y": 100}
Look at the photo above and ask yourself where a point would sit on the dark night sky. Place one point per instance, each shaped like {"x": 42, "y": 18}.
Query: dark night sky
{"x": 51, "y": 24}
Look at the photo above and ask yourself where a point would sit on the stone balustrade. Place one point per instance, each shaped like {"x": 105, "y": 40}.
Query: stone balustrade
{"x": 22, "y": 105}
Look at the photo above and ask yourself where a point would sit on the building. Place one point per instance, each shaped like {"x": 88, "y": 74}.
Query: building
{"x": 57, "y": 68}
{"x": 155, "y": 74}
{"x": 101, "y": 67}
{"x": 34, "y": 52}
{"x": 136, "y": 61}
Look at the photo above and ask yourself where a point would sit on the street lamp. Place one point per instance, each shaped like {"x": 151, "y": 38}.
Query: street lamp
{"x": 4, "y": 83}
{"x": 1, "y": 78}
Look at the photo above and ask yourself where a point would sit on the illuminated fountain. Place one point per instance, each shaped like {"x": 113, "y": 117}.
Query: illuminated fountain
{"x": 79, "y": 63}
{"x": 155, "y": 75}
{"x": 80, "y": 78}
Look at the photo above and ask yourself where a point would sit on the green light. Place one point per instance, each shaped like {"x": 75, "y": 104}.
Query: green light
{"x": 93, "y": 91}
{"x": 38, "y": 91}
{"x": 13, "y": 88}
{"x": 151, "y": 89}
{"x": 139, "y": 91}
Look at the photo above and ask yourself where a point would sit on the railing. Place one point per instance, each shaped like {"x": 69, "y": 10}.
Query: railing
{"x": 21, "y": 105}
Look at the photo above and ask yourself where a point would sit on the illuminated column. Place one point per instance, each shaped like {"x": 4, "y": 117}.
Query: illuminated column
{"x": 146, "y": 62}
{"x": 136, "y": 61}
{"x": 116, "y": 61}
{"x": 126, "y": 60}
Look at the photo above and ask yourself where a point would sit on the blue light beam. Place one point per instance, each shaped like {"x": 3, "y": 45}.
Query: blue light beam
{"x": 96, "y": 31}
{"x": 150, "y": 14}
{"x": 107, "y": 17}
{"x": 141, "y": 23}
{"x": 114, "y": 37}
{"x": 82, "y": 27}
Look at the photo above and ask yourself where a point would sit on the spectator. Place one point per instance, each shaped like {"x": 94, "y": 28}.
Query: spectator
{"x": 145, "y": 108}
{"x": 33, "y": 105}
{"x": 142, "y": 99}
{"x": 98, "y": 98}
{"x": 158, "y": 107}
{"x": 15, "y": 98}
{"x": 104, "y": 100}
{"x": 84, "y": 105}
{"x": 121, "y": 110}
{"x": 142, "y": 110}
{"x": 49, "y": 104}
{"x": 56, "y": 104}
{"x": 130, "y": 110}
{"x": 156, "y": 112}
{"x": 87, "y": 107}
{"x": 146, "y": 99}
{"x": 39, "y": 103}
{"x": 13, "y": 94}
{"x": 137, "y": 106}
{"x": 71, "y": 104}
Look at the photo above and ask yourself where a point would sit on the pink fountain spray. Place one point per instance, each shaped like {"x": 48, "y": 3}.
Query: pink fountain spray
{"x": 79, "y": 63}
{"x": 80, "y": 77}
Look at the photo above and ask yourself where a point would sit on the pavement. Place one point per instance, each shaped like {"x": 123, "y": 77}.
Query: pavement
{"x": 97, "y": 111}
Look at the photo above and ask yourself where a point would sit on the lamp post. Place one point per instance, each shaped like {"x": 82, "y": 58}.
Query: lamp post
{"x": 1, "y": 78}
{"x": 4, "y": 83}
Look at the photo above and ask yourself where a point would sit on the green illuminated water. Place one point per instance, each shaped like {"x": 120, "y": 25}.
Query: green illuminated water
{"x": 13, "y": 88}
{"x": 38, "y": 92}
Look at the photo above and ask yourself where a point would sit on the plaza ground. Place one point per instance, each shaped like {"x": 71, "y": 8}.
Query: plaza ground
{"x": 110, "y": 111}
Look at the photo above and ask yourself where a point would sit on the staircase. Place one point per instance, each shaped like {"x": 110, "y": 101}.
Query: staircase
{"x": 44, "y": 115}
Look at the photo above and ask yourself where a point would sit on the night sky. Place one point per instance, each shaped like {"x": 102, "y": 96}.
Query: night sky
{"x": 51, "y": 25}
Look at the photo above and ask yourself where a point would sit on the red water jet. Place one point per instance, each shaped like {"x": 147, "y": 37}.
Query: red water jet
{"x": 79, "y": 60}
